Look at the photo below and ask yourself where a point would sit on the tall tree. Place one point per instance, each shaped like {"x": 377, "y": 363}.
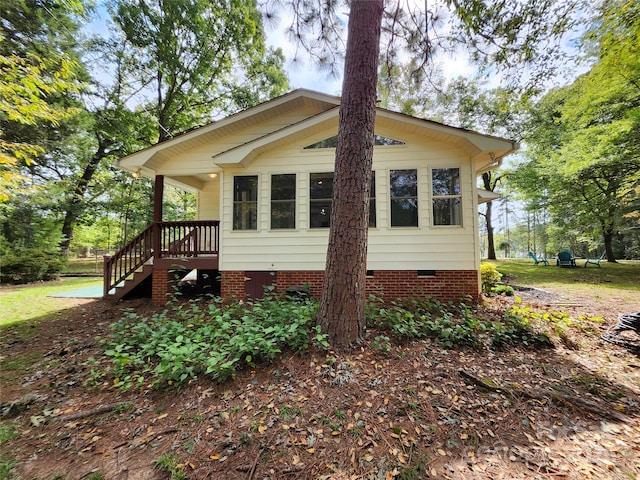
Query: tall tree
{"x": 505, "y": 32}
{"x": 345, "y": 274}
{"x": 591, "y": 128}
{"x": 180, "y": 64}
{"x": 190, "y": 61}
{"x": 39, "y": 72}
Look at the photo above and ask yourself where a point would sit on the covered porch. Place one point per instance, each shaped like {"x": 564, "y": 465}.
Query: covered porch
{"x": 164, "y": 247}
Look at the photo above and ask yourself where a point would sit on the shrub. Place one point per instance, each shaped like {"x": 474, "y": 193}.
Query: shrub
{"x": 30, "y": 265}
{"x": 504, "y": 290}
{"x": 490, "y": 276}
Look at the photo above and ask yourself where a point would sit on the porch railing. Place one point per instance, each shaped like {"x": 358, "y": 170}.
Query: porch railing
{"x": 175, "y": 240}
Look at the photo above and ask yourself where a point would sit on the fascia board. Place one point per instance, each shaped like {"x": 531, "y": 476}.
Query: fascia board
{"x": 243, "y": 155}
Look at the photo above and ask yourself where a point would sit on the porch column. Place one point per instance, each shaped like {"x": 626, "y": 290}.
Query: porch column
{"x": 158, "y": 193}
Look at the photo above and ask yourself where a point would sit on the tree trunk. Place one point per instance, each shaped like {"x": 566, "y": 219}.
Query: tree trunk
{"x": 74, "y": 205}
{"x": 491, "y": 248}
{"x": 341, "y": 311}
{"x": 608, "y": 239}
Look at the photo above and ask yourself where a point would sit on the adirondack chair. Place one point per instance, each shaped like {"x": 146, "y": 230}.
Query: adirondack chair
{"x": 538, "y": 260}
{"x": 566, "y": 259}
{"x": 595, "y": 261}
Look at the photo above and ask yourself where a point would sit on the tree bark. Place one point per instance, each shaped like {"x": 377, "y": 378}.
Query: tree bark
{"x": 341, "y": 311}
{"x": 74, "y": 205}
{"x": 491, "y": 247}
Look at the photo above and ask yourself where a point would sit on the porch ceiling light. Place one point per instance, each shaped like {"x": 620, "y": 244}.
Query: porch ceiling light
{"x": 213, "y": 175}
{"x": 136, "y": 174}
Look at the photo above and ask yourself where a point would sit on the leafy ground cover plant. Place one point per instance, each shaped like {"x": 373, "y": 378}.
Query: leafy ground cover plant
{"x": 208, "y": 337}
{"x": 452, "y": 325}
{"x": 211, "y": 338}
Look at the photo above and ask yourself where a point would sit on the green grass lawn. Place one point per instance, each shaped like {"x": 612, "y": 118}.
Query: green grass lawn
{"x": 624, "y": 275}
{"x": 29, "y": 302}
{"x": 83, "y": 266}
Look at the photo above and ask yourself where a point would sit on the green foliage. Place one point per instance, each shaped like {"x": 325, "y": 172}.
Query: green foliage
{"x": 489, "y": 277}
{"x": 30, "y": 265}
{"x": 591, "y": 129}
{"x": 208, "y": 338}
{"x": 504, "y": 290}
{"x": 7, "y": 433}
{"x": 451, "y": 326}
{"x": 170, "y": 464}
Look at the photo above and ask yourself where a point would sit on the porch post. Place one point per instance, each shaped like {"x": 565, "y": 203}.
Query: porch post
{"x": 158, "y": 193}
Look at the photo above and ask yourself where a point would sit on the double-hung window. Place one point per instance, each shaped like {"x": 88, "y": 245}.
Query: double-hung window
{"x": 283, "y": 201}
{"x": 404, "y": 198}
{"x": 245, "y": 202}
{"x": 321, "y": 198}
{"x": 447, "y": 196}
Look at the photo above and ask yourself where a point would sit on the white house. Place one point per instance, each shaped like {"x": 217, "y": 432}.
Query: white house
{"x": 263, "y": 180}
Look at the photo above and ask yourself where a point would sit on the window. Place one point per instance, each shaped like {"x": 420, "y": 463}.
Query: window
{"x": 372, "y": 201}
{"x": 283, "y": 201}
{"x": 321, "y": 197}
{"x": 332, "y": 142}
{"x": 447, "y": 196}
{"x": 404, "y": 198}
{"x": 245, "y": 203}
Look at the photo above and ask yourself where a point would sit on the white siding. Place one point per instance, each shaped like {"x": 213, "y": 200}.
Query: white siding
{"x": 209, "y": 202}
{"x": 423, "y": 248}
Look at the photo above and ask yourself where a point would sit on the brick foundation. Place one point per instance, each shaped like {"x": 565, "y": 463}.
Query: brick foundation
{"x": 160, "y": 286}
{"x": 444, "y": 285}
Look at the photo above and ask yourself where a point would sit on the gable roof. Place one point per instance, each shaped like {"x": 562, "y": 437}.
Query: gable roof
{"x": 240, "y": 137}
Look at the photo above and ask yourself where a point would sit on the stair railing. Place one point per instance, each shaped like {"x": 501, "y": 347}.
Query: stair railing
{"x": 176, "y": 240}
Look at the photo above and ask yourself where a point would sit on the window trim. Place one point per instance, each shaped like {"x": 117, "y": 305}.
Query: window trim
{"x": 280, "y": 201}
{"x": 244, "y": 202}
{"x": 416, "y": 197}
{"x": 436, "y": 197}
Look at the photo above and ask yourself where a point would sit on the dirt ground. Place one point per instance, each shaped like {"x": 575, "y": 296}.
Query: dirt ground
{"x": 417, "y": 411}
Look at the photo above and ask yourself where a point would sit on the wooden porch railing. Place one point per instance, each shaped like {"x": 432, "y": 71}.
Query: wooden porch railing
{"x": 176, "y": 240}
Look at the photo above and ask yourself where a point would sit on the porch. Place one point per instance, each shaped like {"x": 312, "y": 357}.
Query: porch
{"x": 160, "y": 248}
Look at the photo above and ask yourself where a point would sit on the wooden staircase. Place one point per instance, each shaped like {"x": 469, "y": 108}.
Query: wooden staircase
{"x": 135, "y": 262}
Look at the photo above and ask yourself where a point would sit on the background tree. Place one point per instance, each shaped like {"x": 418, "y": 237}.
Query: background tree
{"x": 37, "y": 68}
{"x": 191, "y": 61}
{"x": 41, "y": 76}
{"x": 591, "y": 130}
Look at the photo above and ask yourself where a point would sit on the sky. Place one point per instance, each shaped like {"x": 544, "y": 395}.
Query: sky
{"x": 303, "y": 73}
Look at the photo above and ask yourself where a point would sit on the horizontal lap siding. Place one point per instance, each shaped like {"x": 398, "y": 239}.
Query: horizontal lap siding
{"x": 208, "y": 202}
{"x": 422, "y": 248}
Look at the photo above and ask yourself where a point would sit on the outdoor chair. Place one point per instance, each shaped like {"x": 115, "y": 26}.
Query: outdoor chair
{"x": 595, "y": 261}
{"x": 538, "y": 260}
{"x": 566, "y": 259}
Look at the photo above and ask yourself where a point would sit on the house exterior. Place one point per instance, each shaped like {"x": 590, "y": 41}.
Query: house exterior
{"x": 263, "y": 180}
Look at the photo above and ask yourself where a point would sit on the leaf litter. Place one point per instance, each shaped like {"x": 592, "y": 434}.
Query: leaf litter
{"x": 569, "y": 412}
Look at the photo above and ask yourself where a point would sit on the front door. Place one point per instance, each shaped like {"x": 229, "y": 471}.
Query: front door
{"x": 255, "y": 282}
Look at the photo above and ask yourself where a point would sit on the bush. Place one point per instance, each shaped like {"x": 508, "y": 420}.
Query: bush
{"x": 490, "y": 276}
{"x": 30, "y": 265}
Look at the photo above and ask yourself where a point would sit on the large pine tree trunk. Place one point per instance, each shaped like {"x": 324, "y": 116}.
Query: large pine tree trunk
{"x": 341, "y": 312}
